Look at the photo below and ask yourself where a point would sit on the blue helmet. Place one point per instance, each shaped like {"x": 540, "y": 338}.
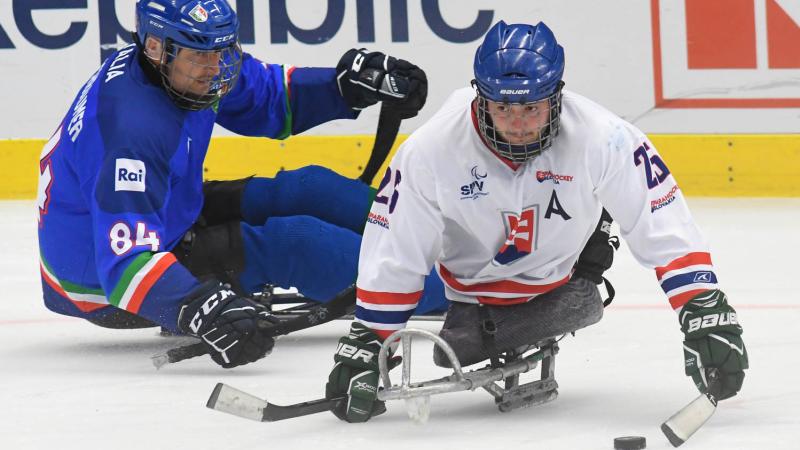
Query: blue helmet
{"x": 195, "y": 24}
{"x": 519, "y": 64}
{"x": 205, "y": 26}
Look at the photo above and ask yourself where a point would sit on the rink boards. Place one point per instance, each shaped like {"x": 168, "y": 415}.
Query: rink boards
{"x": 704, "y": 165}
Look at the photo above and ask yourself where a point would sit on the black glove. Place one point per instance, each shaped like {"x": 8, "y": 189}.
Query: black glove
{"x": 713, "y": 341}
{"x": 598, "y": 254}
{"x": 355, "y": 375}
{"x": 366, "y": 78}
{"x": 227, "y": 323}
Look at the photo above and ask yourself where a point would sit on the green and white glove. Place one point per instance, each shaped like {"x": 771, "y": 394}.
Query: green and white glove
{"x": 713, "y": 341}
{"x": 355, "y": 375}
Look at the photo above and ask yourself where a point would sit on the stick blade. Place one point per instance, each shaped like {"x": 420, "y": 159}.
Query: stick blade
{"x": 273, "y": 413}
{"x": 160, "y": 360}
{"x": 230, "y": 400}
{"x": 683, "y": 424}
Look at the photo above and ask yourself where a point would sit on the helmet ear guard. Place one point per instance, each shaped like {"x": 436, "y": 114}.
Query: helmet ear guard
{"x": 519, "y": 64}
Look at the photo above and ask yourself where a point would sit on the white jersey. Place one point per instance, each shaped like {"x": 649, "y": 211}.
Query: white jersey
{"x": 500, "y": 235}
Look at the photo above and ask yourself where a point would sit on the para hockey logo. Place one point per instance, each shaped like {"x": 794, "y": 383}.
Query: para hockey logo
{"x": 129, "y": 175}
{"x": 544, "y": 175}
{"x": 664, "y": 200}
{"x": 378, "y": 220}
{"x": 475, "y": 187}
{"x": 521, "y": 236}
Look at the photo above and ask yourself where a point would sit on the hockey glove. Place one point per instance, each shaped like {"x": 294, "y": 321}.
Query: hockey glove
{"x": 598, "y": 254}
{"x": 366, "y": 78}
{"x": 227, "y": 324}
{"x": 355, "y": 376}
{"x": 713, "y": 341}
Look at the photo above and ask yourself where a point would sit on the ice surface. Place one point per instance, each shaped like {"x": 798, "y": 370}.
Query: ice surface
{"x": 67, "y": 384}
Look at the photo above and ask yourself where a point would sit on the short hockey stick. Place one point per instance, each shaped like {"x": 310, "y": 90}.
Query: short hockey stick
{"x": 683, "y": 424}
{"x": 388, "y": 127}
{"x": 230, "y": 400}
{"x": 324, "y": 312}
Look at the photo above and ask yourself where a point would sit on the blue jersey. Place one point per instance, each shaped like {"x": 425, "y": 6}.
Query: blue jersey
{"x": 121, "y": 179}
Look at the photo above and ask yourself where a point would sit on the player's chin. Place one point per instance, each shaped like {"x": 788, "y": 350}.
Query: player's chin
{"x": 522, "y": 140}
{"x": 199, "y": 87}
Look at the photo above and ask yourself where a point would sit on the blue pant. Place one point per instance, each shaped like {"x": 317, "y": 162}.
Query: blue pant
{"x": 303, "y": 228}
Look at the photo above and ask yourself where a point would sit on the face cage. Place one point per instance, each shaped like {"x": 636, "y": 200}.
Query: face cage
{"x": 230, "y": 64}
{"x": 519, "y": 153}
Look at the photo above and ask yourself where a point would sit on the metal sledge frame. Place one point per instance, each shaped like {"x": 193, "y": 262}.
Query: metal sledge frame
{"x": 509, "y": 397}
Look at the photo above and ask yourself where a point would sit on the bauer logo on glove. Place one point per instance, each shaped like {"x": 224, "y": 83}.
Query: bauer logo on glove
{"x": 712, "y": 320}
{"x": 352, "y": 352}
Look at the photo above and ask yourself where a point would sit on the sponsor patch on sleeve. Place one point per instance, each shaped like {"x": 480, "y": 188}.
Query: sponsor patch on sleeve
{"x": 129, "y": 175}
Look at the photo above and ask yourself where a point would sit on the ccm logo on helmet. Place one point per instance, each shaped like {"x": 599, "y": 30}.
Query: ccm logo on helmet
{"x": 223, "y": 39}
{"x": 515, "y": 91}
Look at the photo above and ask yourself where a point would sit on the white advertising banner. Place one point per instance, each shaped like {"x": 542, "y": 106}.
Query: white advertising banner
{"x": 669, "y": 66}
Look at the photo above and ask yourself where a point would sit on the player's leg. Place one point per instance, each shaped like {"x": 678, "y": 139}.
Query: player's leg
{"x": 105, "y": 316}
{"x": 316, "y": 257}
{"x": 310, "y": 191}
{"x": 567, "y": 308}
{"x": 111, "y": 317}
{"x": 433, "y": 300}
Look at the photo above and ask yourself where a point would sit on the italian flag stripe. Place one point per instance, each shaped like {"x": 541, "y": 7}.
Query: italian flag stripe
{"x": 49, "y": 279}
{"x": 138, "y": 278}
{"x": 73, "y": 292}
{"x": 287, "y": 125}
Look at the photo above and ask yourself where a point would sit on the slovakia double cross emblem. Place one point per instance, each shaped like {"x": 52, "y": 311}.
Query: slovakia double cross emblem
{"x": 521, "y": 237}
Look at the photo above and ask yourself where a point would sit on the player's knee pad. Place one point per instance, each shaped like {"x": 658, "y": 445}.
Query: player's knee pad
{"x": 213, "y": 252}
{"x": 222, "y": 201}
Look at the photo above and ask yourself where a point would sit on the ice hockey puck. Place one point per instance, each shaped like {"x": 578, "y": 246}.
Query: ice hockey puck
{"x": 630, "y": 443}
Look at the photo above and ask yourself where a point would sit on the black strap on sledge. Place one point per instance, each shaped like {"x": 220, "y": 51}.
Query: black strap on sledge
{"x": 488, "y": 332}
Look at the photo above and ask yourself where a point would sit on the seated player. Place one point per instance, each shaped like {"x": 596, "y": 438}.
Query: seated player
{"x": 129, "y": 234}
{"x": 503, "y": 192}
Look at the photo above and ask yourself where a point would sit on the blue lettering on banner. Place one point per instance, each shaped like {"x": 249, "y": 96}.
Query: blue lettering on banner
{"x": 247, "y": 27}
{"x": 23, "y": 15}
{"x": 365, "y": 9}
{"x": 434, "y": 19}
{"x": 112, "y": 33}
{"x": 281, "y": 25}
{"x": 5, "y": 41}
{"x": 111, "y": 29}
